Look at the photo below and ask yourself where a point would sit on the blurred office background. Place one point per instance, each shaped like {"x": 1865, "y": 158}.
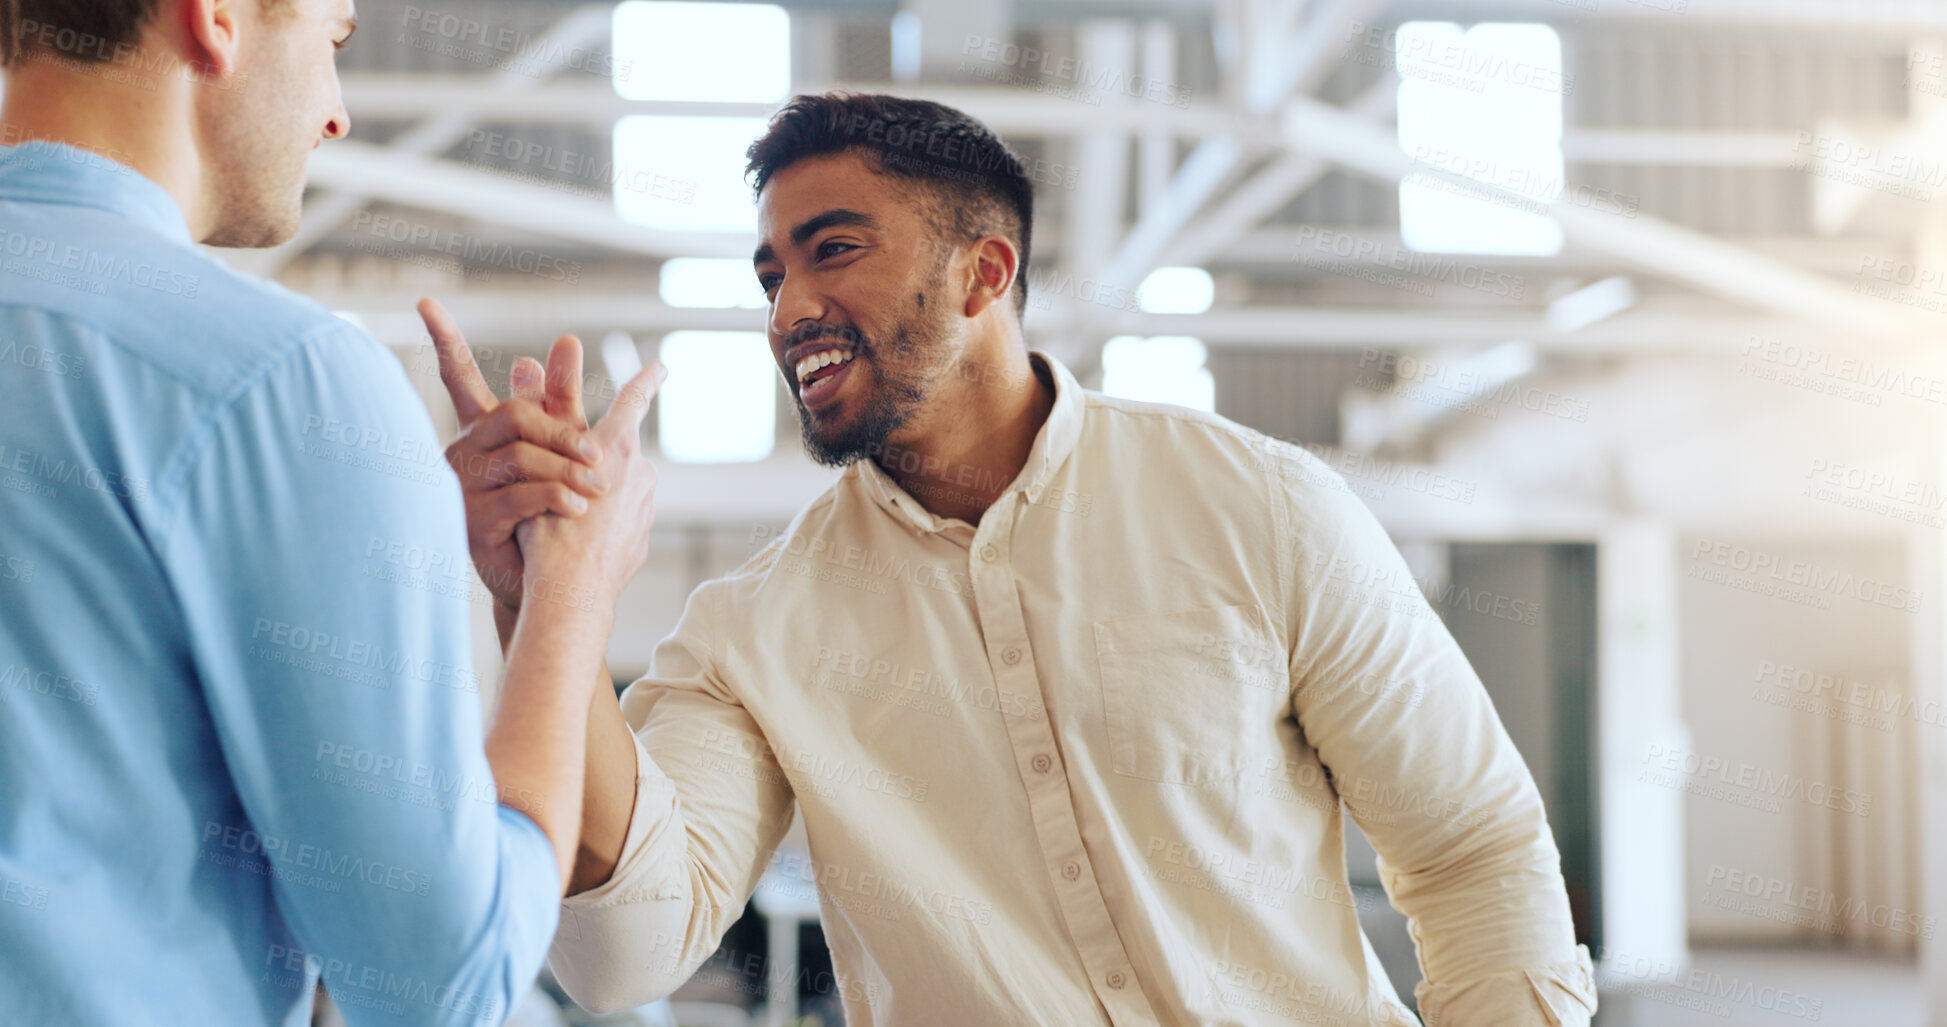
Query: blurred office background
{"x": 1625, "y": 317}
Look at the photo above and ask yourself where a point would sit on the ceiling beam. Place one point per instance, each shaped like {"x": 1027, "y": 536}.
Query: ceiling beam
{"x": 1656, "y": 247}
{"x": 1878, "y": 19}
{"x": 592, "y": 103}
{"x": 1715, "y": 148}
{"x": 1298, "y": 63}
{"x": 1015, "y": 113}
{"x": 1277, "y": 244}
{"x": 1266, "y": 192}
{"x": 1294, "y": 58}
{"x": 1342, "y": 328}
{"x": 511, "y": 316}
{"x": 453, "y": 188}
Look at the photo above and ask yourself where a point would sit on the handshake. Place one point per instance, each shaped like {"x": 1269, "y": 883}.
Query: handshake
{"x": 553, "y": 507}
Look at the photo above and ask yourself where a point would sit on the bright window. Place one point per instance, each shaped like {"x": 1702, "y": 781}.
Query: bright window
{"x": 720, "y": 402}
{"x": 709, "y": 282}
{"x": 1163, "y": 369}
{"x": 1177, "y": 290}
{"x": 711, "y": 52}
{"x": 684, "y": 174}
{"x": 1482, "y": 104}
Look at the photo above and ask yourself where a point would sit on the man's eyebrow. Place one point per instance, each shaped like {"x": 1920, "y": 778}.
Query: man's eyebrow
{"x": 831, "y": 219}
{"x": 813, "y": 225}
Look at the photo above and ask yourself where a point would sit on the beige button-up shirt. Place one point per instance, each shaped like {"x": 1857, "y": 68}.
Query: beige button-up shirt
{"x": 1084, "y": 763}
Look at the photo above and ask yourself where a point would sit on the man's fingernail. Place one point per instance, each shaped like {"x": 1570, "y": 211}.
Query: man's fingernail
{"x": 588, "y": 450}
{"x": 575, "y": 500}
{"x": 598, "y": 479}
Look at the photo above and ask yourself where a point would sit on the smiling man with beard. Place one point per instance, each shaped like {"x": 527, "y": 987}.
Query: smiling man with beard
{"x": 1070, "y": 690}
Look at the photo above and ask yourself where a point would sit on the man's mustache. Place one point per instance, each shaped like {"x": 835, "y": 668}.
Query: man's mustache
{"x": 846, "y": 334}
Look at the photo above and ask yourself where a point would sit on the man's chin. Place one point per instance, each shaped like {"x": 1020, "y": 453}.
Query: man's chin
{"x": 252, "y": 237}
{"x": 832, "y": 439}
{"x": 258, "y": 229}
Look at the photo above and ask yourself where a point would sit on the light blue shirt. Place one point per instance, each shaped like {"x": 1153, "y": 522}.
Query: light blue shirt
{"x": 240, "y": 736}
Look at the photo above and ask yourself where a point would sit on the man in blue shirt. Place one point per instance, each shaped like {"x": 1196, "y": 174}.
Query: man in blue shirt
{"x": 240, "y": 734}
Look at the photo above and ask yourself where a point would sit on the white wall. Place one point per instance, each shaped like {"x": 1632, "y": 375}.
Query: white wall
{"x": 1729, "y": 634}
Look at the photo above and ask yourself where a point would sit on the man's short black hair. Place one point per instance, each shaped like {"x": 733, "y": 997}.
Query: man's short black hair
{"x": 971, "y": 183}
{"x": 93, "y": 31}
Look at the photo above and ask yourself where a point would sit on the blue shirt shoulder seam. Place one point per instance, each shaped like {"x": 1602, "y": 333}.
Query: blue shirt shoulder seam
{"x": 195, "y": 441}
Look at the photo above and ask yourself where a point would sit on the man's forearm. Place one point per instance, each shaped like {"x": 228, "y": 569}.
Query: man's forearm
{"x": 538, "y": 743}
{"x": 608, "y": 784}
{"x": 608, "y": 789}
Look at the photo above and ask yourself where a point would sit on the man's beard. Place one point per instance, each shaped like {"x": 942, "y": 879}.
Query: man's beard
{"x": 894, "y": 393}
{"x": 903, "y": 371}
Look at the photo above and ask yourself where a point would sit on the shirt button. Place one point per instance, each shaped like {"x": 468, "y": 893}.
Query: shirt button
{"x": 1042, "y": 763}
{"x": 1116, "y": 980}
{"x": 1010, "y": 655}
{"x": 989, "y": 553}
{"x": 1071, "y": 870}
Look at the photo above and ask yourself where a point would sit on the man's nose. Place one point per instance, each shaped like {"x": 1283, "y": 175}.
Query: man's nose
{"x": 792, "y": 307}
{"x": 340, "y": 123}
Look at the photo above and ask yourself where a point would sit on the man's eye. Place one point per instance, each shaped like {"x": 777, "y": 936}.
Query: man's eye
{"x": 769, "y": 282}
{"x": 833, "y": 249}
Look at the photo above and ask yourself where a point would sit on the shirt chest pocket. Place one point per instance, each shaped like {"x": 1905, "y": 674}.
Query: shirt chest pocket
{"x": 1193, "y": 695}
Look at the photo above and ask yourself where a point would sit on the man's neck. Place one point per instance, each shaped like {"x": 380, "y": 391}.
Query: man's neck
{"x": 133, "y": 113}
{"x": 970, "y": 449}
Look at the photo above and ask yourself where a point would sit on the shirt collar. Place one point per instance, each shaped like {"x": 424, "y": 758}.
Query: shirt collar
{"x": 46, "y": 172}
{"x": 1052, "y": 445}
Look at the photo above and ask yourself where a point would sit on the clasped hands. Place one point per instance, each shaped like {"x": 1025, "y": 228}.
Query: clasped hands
{"x": 553, "y": 507}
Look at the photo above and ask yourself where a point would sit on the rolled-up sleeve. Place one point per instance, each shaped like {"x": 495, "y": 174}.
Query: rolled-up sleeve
{"x": 711, "y": 805}
{"x": 1422, "y": 763}
{"x": 316, "y": 540}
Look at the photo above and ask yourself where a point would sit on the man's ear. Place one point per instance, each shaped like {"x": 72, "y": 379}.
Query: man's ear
{"x": 211, "y": 30}
{"x": 991, "y": 273}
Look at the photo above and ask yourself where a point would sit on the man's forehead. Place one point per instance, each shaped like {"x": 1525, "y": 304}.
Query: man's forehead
{"x": 818, "y": 184}
{"x": 816, "y": 181}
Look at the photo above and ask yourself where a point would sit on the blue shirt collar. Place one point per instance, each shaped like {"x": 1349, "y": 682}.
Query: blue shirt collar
{"x": 45, "y": 172}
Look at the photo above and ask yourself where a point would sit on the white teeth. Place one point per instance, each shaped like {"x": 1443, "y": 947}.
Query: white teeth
{"x": 822, "y": 359}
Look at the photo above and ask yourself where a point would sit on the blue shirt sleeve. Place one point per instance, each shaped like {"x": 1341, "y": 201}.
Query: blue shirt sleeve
{"x": 316, "y": 538}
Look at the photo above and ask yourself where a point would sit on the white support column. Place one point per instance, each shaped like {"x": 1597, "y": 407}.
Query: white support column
{"x": 1927, "y": 557}
{"x": 1094, "y": 208}
{"x": 1927, "y": 571}
{"x": 1205, "y": 171}
{"x": 1927, "y": 563}
{"x": 1638, "y": 704}
{"x": 948, "y": 29}
{"x": 1156, "y": 149}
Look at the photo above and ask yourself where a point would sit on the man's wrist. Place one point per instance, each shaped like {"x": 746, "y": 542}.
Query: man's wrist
{"x": 564, "y": 628}
{"x": 581, "y": 589}
{"x": 506, "y": 616}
